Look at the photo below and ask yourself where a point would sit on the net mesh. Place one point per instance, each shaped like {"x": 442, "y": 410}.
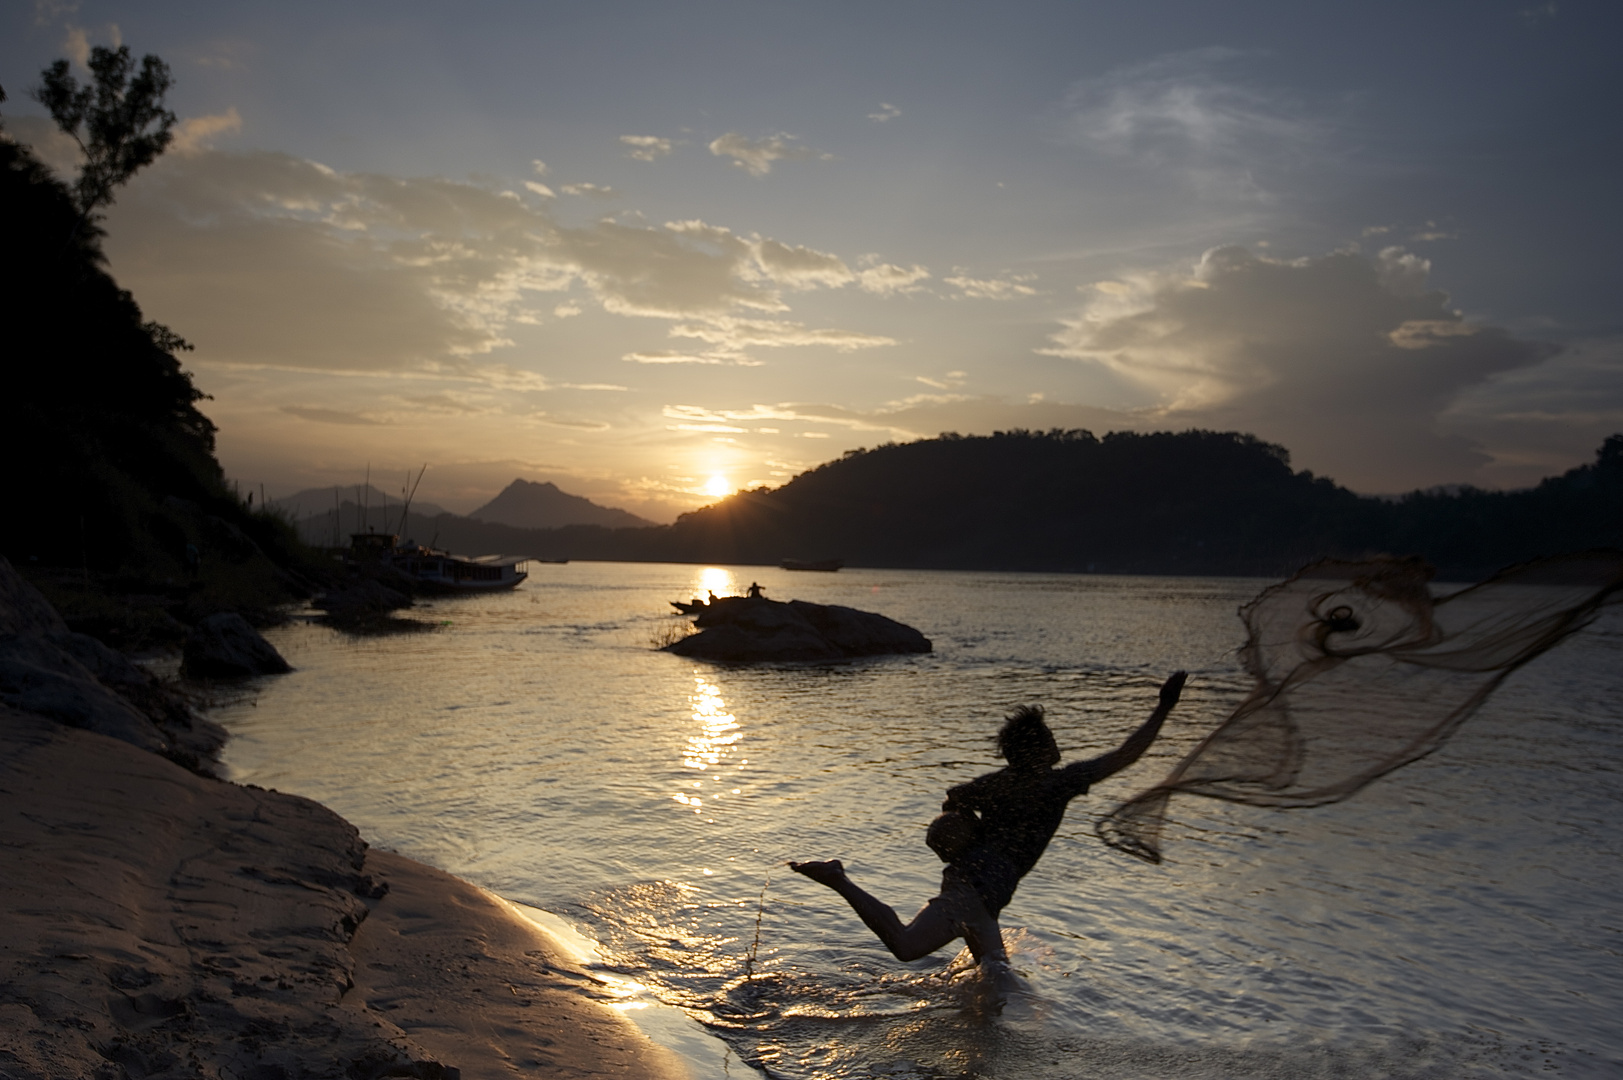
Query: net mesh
{"x": 1359, "y": 671}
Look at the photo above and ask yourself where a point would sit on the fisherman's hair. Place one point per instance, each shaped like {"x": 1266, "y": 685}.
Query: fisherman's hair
{"x": 1025, "y": 739}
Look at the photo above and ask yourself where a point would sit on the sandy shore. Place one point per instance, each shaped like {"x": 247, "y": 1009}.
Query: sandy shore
{"x": 154, "y": 922}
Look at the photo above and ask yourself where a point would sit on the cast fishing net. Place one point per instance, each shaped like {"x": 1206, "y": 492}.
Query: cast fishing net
{"x": 1359, "y": 671}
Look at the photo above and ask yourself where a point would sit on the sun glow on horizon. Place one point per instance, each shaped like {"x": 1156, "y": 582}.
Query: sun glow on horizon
{"x": 718, "y": 487}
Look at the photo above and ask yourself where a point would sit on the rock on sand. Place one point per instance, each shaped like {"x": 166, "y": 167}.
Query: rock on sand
{"x": 224, "y": 646}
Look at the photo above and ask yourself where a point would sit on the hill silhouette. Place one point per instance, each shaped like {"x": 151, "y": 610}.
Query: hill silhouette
{"x": 528, "y": 505}
{"x": 1196, "y": 502}
{"x": 114, "y": 475}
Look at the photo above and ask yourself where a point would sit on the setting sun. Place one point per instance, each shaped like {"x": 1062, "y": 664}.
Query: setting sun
{"x": 718, "y": 487}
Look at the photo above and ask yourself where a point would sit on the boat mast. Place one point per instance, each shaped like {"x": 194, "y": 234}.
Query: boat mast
{"x": 410, "y": 496}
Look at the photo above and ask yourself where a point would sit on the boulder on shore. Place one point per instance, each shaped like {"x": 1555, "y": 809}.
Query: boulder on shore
{"x": 224, "y": 646}
{"x": 745, "y": 629}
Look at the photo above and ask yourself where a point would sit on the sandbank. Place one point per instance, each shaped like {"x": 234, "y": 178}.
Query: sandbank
{"x": 154, "y": 922}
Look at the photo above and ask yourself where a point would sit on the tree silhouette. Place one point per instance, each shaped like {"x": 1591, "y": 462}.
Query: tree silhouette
{"x": 118, "y": 121}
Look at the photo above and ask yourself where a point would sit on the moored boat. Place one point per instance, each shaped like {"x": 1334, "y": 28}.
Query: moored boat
{"x": 827, "y": 566}
{"x": 440, "y": 570}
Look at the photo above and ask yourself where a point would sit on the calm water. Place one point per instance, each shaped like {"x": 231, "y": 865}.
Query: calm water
{"x": 1463, "y": 917}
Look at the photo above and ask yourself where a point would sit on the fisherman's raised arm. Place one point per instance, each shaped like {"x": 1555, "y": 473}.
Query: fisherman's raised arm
{"x": 1085, "y": 773}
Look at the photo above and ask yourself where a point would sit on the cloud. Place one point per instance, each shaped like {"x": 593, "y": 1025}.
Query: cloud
{"x": 735, "y": 334}
{"x": 445, "y": 403}
{"x": 647, "y": 147}
{"x": 1008, "y": 288}
{"x": 225, "y": 55}
{"x": 540, "y": 189}
{"x": 709, "y": 359}
{"x": 757, "y": 156}
{"x": 1176, "y": 118}
{"x": 1349, "y": 361}
{"x": 271, "y": 260}
{"x": 886, "y": 279}
{"x": 48, "y": 11}
{"x": 799, "y": 267}
{"x": 887, "y": 111}
{"x": 193, "y": 134}
{"x": 329, "y": 416}
{"x": 1536, "y": 421}
{"x": 595, "y": 191}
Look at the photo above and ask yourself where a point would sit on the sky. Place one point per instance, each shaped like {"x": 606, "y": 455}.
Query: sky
{"x": 655, "y": 252}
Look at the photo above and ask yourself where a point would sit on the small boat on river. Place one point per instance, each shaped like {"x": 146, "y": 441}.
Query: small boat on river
{"x": 826, "y": 566}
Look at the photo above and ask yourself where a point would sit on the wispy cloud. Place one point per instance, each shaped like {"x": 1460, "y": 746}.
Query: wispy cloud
{"x": 47, "y": 12}
{"x": 647, "y": 147}
{"x": 739, "y": 334}
{"x": 885, "y": 279}
{"x": 706, "y": 359}
{"x": 887, "y": 111}
{"x": 1009, "y": 287}
{"x": 595, "y": 191}
{"x": 318, "y": 415}
{"x": 1177, "y": 116}
{"x": 192, "y": 135}
{"x": 757, "y": 156}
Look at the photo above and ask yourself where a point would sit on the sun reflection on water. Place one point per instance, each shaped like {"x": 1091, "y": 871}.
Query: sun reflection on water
{"x": 716, "y": 579}
{"x": 718, "y": 734}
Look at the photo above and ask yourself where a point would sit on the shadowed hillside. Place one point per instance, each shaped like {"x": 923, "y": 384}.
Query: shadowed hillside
{"x": 1197, "y": 502}
{"x": 114, "y": 487}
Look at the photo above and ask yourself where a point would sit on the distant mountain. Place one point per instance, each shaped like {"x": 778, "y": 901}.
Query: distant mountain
{"x": 526, "y": 505}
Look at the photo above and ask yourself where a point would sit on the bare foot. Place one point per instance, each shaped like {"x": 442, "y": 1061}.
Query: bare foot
{"x": 824, "y": 873}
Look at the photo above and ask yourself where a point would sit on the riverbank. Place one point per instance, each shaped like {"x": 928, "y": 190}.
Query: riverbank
{"x": 158, "y": 922}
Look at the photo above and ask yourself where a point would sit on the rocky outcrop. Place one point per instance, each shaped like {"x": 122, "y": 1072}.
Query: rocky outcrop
{"x": 77, "y": 681}
{"x": 224, "y": 646}
{"x": 750, "y": 629}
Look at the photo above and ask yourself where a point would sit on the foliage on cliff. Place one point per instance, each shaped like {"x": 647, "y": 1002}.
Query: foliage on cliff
{"x": 113, "y": 484}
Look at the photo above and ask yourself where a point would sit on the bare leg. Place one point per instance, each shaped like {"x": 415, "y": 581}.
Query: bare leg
{"x": 930, "y": 929}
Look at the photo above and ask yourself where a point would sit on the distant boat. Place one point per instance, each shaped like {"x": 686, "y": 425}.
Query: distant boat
{"x": 827, "y": 566}
{"x": 438, "y": 570}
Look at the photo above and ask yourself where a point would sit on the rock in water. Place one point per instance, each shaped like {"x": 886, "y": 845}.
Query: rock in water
{"x": 744, "y": 629}
{"x": 224, "y": 646}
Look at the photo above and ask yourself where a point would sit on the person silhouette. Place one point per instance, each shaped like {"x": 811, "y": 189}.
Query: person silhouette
{"x": 990, "y": 834}
{"x": 754, "y": 591}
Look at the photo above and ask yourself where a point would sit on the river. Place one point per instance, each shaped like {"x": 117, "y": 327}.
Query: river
{"x": 1461, "y": 917}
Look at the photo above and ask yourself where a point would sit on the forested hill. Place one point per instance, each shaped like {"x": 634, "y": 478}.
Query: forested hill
{"x": 1196, "y": 502}
{"x": 114, "y": 490}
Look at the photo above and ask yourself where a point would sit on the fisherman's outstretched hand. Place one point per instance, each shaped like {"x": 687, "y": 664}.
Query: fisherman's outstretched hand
{"x": 1172, "y": 689}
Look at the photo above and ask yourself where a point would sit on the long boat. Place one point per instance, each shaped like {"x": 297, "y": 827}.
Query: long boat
{"x": 440, "y": 570}
{"x": 827, "y": 566}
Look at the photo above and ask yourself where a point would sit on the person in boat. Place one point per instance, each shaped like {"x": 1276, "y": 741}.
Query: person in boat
{"x": 991, "y": 832}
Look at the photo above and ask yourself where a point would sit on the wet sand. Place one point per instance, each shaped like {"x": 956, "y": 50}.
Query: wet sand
{"x": 158, "y": 923}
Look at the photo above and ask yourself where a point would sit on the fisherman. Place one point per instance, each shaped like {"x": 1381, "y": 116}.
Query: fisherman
{"x": 990, "y": 834}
